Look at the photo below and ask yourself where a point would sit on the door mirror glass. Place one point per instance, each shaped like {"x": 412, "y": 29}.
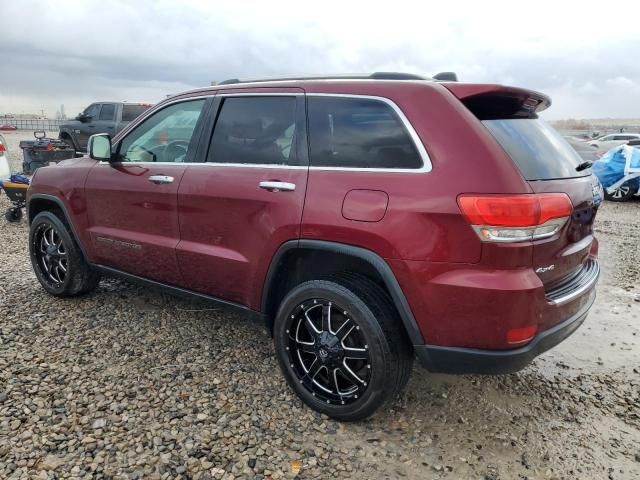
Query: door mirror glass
{"x": 100, "y": 147}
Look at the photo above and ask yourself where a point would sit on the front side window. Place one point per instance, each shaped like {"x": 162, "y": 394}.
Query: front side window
{"x": 358, "y": 133}
{"x": 255, "y": 130}
{"x": 165, "y": 136}
{"x": 108, "y": 109}
{"x": 92, "y": 110}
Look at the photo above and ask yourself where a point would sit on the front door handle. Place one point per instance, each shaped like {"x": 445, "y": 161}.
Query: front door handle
{"x": 278, "y": 186}
{"x": 160, "y": 179}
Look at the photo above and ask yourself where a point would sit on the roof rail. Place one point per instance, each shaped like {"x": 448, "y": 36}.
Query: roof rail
{"x": 372, "y": 76}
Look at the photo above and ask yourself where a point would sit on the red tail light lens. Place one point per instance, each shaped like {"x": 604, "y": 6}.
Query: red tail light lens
{"x": 2, "y": 147}
{"x": 514, "y": 218}
{"x": 514, "y": 210}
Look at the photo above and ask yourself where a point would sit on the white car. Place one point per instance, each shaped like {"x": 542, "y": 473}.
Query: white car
{"x": 5, "y": 171}
{"x": 607, "y": 142}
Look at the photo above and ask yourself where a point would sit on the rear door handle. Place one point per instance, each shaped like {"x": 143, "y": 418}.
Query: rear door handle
{"x": 278, "y": 186}
{"x": 160, "y": 179}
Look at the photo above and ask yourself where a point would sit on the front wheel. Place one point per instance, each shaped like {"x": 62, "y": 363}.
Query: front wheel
{"x": 341, "y": 346}
{"x": 57, "y": 259}
{"x": 622, "y": 193}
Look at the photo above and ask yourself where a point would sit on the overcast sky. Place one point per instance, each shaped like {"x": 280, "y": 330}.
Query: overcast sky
{"x": 587, "y": 58}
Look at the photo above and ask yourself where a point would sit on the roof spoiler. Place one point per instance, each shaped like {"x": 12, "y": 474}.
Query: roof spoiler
{"x": 491, "y": 102}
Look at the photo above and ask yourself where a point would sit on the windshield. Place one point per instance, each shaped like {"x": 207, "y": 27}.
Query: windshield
{"x": 538, "y": 150}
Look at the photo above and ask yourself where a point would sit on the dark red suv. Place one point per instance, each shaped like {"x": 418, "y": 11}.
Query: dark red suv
{"x": 365, "y": 220}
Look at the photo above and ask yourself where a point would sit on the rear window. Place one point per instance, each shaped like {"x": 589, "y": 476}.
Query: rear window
{"x": 131, "y": 112}
{"x": 538, "y": 150}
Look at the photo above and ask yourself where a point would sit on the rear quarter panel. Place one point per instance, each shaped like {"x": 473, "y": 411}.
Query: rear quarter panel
{"x": 423, "y": 221}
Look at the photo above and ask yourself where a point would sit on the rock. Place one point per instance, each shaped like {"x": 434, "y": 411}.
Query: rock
{"x": 50, "y": 462}
{"x": 99, "y": 423}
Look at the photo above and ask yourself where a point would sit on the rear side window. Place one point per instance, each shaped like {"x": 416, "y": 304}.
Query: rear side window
{"x": 108, "y": 109}
{"x": 538, "y": 150}
{"x": 358, "y": 133}
{"x": 255, "y": 130}
{"x": 131, "y": 112}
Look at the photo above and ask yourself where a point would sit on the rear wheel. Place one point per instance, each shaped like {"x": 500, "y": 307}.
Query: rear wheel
{"x": 622, "y": 194}
{"x": 341, "y": 346}
{"x": 56, "y": 258}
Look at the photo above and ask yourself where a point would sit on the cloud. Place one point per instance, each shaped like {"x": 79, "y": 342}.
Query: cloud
{"x": 75, "y": 52}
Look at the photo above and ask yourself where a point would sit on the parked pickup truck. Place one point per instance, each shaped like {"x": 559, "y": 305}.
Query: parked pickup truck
{"x": 99, "y": 117}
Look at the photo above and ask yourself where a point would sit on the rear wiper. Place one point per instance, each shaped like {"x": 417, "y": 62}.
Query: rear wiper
{"x": 584, "y": 166}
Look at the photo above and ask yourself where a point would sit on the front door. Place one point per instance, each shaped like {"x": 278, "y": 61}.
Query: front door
{"x": 105, "y": 123}
{"x": 238, "y": 207}
{"x": 132, "y": 202}
{"x": 87, "y": 126}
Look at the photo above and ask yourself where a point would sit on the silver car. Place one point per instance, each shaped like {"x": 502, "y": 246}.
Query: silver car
{"x": 607, "y": 142}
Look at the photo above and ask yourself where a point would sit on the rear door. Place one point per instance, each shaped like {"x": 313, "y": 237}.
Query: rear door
{"x": 550, "y": 165}
{"x": 246, "y": 200}
{"x": 132, "y": 204}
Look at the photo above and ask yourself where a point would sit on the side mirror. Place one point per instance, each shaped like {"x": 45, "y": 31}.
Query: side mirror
{"x": 99, "y": 147}
{"x": 83, "y": 117}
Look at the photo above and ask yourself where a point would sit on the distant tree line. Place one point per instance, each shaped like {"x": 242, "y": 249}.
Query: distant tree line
{"x": 571, "y": 124}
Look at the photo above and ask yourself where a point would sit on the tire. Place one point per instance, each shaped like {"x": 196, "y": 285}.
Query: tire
{"x": 56, "y": 258}
{"x": 622, "y": 194}
{"x": 353, "y": 364}
{"x": 69, "y": 142}
{"x": 13, "y": 214}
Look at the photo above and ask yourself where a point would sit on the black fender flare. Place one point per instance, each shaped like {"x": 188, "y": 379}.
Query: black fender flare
{"x": 68, "y": 218}
{"x": 68, "y": 133}
{"x": 375, "y": 260}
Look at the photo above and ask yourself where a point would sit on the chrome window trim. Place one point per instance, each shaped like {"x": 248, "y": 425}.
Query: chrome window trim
{"x": 206, "y": 164}
{"x": 426, "y": 160}
{"x": 422, "y": 151}
{"x": 261, "y": 94}
{"x": 152, "y": 111}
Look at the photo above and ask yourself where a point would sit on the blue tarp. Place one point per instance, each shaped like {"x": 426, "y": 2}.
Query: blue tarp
{"x": 611, "y": 166}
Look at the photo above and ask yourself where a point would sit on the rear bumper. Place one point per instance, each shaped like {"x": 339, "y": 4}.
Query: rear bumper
{"x": 441, "y": 359}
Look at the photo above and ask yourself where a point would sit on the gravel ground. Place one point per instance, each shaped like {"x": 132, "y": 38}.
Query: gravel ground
{"x": 130, "y": 383}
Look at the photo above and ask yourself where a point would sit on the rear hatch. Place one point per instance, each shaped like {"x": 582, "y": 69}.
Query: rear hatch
{"x": 549, "y": 164}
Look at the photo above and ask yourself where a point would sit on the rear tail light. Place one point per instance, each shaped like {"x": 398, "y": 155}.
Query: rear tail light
{"x": 516, "y": 218}
{"x": 2, "y": 149}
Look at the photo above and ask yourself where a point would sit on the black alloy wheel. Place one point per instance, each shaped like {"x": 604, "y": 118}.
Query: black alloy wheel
{"x": 57, "y": 260}
{"x": 51, "y": 254}
{"x": 328, "y": 351}
{"x": 342, "y": 346}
